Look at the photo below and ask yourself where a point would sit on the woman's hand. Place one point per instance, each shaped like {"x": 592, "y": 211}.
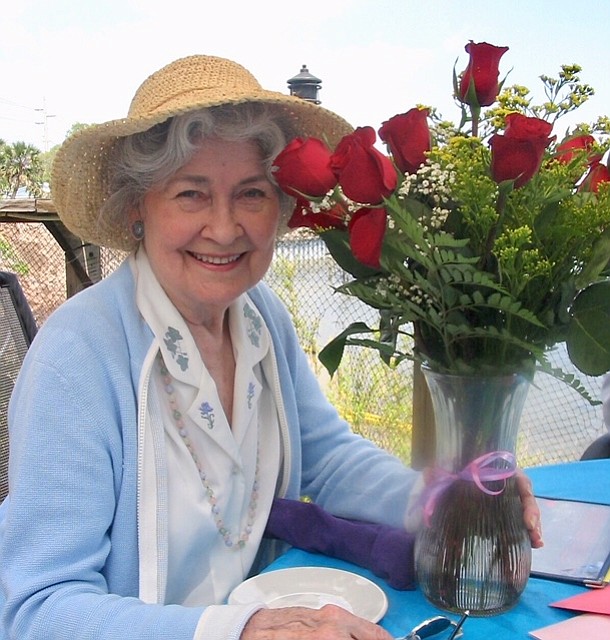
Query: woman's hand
{"x": 531, "y": 512}
{"x": 299, "y": 623}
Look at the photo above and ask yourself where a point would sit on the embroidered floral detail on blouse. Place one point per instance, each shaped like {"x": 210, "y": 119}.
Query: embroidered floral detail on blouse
{"x": 255, "y": 325}
{"x": 172, "y": 340}
{"x": 250, "y": 394}
{"x": 207, "y": 413}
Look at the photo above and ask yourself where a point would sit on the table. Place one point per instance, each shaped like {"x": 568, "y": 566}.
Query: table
{"x": 588, "y": 481}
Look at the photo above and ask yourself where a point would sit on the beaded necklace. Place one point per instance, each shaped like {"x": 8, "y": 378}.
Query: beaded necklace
{"x": 239, "y": 541}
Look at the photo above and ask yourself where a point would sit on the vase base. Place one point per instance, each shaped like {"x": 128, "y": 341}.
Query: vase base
{"x": 470, "y": 600}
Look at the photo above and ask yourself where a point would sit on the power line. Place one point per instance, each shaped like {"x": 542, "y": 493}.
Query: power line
{"x": 15, "y": 119}
{"x": 38, "y": 116}
{"x": 16, "y": 104}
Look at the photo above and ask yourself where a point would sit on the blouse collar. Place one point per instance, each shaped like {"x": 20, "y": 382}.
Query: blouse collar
{"x": 249, "y": 333}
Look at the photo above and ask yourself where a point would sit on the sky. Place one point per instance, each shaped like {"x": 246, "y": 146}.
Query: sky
{"x": 69, "y": 61}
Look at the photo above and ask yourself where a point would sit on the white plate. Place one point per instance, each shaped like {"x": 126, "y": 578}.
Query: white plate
{"x": 313, "y": 587}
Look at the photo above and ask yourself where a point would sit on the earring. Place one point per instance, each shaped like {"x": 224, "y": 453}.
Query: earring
{"x": 137, "y": 230}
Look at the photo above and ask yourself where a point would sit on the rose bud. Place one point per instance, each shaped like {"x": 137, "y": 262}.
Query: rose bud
{"x": 598, "y": 173}
{"x": 517, "y": 155}
{"x": 482, "y": 72}
{"x": 364, "y": 173}
{"x": 408, "y": 138}
{"x": 573, "y": 145}
{"x": 303, "y": 167}
{"x": 366, "y": 233}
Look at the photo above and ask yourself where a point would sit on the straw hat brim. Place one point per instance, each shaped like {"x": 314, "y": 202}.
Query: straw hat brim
{"x": 80, "y": 178}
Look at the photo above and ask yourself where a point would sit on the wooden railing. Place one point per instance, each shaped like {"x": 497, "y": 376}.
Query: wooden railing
{"x": 82, "y": 259}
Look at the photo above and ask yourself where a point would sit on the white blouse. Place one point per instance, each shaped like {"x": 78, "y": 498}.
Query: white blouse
{"x": 202, "y": 568}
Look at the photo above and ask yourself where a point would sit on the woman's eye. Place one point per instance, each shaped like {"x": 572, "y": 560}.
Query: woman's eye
{"x": 190, "y": 193}
{"x": 254, "y": 193}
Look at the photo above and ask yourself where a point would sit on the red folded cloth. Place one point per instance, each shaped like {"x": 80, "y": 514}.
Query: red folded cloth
{"x": 384, "y": 550}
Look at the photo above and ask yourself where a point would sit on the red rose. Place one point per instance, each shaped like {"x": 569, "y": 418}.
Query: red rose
{"x": 524, "y": 128}
{"x": 303, "y": 216}
{"x": 366, "y": 232}
{"x": 304, "y": 167}
{"x": 517, "y": 155}
{"x": 597, "y": 174}
{"x": 408, "y": 138}
{"x": 482, "y": 71}
{"x": 570, "y": 148}
{"x": 364, "y": 173}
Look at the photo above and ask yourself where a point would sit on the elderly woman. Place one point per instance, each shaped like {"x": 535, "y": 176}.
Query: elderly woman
{"x": 160, "y": 412}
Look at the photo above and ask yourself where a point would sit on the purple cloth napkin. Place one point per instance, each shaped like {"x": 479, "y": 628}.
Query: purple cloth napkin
{"x": 384, "y": 550}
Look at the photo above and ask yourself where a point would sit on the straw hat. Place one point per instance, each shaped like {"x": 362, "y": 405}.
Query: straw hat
{"x": 80, "y": 169}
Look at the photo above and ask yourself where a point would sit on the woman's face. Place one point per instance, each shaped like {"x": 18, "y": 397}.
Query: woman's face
{"x": 210, "y": 230}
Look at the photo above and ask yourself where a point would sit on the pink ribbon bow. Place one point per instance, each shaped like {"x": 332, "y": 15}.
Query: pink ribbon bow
{"x": 479, "y": 471}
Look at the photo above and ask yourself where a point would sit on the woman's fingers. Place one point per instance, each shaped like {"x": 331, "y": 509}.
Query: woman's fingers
{"x": 299, "y": 623}
{"x": 531, "y": 512}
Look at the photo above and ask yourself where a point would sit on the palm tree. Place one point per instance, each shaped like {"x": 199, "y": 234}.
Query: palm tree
{"x": 3, "y": 181}
{"x": 20, "y": 166}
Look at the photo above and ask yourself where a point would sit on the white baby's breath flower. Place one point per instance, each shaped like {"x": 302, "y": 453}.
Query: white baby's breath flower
{"x": 439, "y": 217}
{"x": 405, "y": 187}
{"x": 316, "y": 207}
{"x": 381, "y": 289}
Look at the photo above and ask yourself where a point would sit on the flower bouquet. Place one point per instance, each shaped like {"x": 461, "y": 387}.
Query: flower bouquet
{"x": 482, "y": 245}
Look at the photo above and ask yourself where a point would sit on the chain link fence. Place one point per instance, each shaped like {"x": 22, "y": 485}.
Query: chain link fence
{"x": 557, "y": 423}
{"x": 376, "y": 400}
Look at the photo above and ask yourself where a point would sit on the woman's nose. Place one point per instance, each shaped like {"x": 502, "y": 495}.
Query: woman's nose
{"x": 221, "y": 224}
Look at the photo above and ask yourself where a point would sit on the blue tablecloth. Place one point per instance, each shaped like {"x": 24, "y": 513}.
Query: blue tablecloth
{"x": 588, "y": 481}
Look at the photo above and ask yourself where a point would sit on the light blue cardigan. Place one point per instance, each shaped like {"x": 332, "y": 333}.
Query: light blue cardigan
{"x": 69, "y": 530}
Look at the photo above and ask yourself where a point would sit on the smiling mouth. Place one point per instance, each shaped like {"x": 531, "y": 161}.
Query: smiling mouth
{"x": 219, "y": 260}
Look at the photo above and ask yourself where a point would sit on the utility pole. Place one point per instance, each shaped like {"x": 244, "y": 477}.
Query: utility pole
{"x": 45, "y": 123}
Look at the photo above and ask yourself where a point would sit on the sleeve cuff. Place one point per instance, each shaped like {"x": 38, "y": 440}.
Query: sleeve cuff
{"x": 225, "y": 621}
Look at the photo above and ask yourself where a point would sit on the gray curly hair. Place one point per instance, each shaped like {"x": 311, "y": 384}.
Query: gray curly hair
{"x": 144, "y": 160}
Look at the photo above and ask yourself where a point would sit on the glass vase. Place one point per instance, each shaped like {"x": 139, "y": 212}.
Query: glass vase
{"x": 473, "y": 551}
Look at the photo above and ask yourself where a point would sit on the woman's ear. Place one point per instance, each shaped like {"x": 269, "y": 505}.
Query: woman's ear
{"x": 135, "y": 213}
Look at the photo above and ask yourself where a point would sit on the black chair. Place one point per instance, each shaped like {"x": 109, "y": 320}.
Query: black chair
{"x": 17, "y": 330}
{"x": 599, "y": 448}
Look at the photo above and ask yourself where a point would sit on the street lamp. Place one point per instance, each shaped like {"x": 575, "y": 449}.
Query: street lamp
{"x": 305, "y": 85}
